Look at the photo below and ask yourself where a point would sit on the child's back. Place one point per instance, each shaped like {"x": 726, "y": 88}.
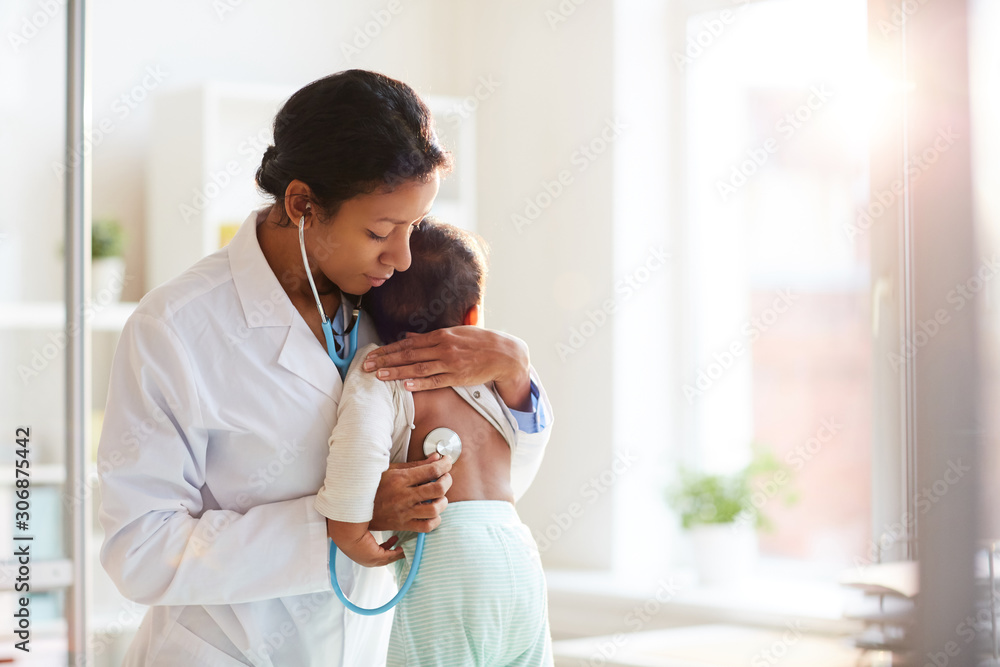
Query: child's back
{"x": 482, "y": 472}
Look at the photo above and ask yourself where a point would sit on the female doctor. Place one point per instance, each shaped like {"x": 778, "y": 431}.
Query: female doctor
{"x": 223, "y": 397}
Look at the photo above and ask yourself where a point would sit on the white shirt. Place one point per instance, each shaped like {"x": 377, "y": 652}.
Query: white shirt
{"x": 214, "y": 444}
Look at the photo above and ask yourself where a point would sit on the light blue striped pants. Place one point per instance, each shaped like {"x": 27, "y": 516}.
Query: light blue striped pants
{"x": 479, "y": 597}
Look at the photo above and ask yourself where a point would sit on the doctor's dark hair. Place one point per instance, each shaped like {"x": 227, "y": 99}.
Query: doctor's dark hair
{"x": 348, "y": 134}
{"x": 447, "y": 277}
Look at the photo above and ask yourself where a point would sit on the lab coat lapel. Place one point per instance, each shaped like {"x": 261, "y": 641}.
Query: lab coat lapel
{"x": 303, "y": 355}
{"x": 265, "y": 304}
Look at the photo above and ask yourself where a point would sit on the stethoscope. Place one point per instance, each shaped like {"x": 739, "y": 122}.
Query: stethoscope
{"x": 444, "y": 441}
{"x": 342, "y": 362}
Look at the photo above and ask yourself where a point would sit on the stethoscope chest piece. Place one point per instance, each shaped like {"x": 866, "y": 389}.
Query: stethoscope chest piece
{"x": 444, "y": 441}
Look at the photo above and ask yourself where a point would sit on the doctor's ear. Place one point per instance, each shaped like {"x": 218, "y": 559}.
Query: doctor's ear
{"x": 298, "y": 202}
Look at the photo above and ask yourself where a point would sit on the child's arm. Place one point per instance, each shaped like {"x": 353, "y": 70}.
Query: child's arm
{"x": 360, "y": 447}
{"x": 360, "y": 545}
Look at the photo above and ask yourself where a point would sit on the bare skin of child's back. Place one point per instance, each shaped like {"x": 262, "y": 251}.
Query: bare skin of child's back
{"x": 482, "y": 472}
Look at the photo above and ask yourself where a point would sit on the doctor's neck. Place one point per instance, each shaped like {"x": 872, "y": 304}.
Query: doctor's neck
{"x": 280, "y": 245}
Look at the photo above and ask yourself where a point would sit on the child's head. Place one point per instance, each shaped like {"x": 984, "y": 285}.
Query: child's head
{"x": 446, "y": 280}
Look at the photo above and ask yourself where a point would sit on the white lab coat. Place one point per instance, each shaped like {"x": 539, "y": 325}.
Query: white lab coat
{"x": 214, "y": 445}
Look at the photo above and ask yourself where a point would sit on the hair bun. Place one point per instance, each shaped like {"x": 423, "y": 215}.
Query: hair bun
{"x": 269, "y": 155}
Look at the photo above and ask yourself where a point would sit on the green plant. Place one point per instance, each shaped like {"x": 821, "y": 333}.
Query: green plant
{"x": 107, "y": 239}
{"x": 702, "y": 498}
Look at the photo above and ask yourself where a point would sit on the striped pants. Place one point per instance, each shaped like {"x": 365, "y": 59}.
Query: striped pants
{"x": 479, "y": 597}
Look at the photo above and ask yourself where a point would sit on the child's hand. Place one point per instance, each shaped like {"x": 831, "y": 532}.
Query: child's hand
{"x": 360, "y": 546}
{"x": 387, "y": 553}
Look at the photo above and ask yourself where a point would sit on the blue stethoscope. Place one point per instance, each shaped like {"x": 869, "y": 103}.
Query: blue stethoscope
{"x": 441, "y": 440}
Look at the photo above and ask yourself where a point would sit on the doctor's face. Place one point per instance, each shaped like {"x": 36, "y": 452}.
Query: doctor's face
{"x": 369, "y": 237}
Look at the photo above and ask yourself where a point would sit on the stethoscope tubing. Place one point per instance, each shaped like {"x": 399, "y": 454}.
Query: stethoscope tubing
{"x": 418, "y": 553}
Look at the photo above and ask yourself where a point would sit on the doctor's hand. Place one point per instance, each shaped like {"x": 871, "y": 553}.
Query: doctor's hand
{"x": 410, "y": 495}
{"x": 457, "y": 357}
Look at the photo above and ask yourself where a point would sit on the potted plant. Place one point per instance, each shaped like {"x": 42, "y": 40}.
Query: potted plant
{"x": 722, "y": 514}
{"x": 107, "y": 249}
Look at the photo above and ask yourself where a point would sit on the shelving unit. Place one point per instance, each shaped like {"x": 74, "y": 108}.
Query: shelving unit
{"x": 51, "y": 574}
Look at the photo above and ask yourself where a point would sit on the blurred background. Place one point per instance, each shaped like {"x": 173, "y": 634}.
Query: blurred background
{"x": 691, "y": 226}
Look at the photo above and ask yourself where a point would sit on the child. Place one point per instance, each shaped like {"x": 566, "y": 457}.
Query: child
{"x": 479, "y": 596}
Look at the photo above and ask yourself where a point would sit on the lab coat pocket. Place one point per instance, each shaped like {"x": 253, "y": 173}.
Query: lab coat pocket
{"x": 183, "y": 648}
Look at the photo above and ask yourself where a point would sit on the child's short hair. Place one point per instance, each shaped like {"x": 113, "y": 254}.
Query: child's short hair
{"x": 447, "y": 277}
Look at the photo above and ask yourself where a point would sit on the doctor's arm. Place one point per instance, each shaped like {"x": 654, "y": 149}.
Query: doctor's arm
{"x": 533, "y": 431}
{"x": 162, "y": 546}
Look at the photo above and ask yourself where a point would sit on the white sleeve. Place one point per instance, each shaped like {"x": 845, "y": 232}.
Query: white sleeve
{"x": 360, "y": 446}
{"x": 161, "y": 546}
{"x": 527, "y": 455}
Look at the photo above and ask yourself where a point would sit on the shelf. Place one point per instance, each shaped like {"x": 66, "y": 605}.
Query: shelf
{"x": 40, "y": 315}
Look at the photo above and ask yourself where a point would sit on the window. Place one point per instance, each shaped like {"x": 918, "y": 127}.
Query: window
{"x": 777, "y": 276}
